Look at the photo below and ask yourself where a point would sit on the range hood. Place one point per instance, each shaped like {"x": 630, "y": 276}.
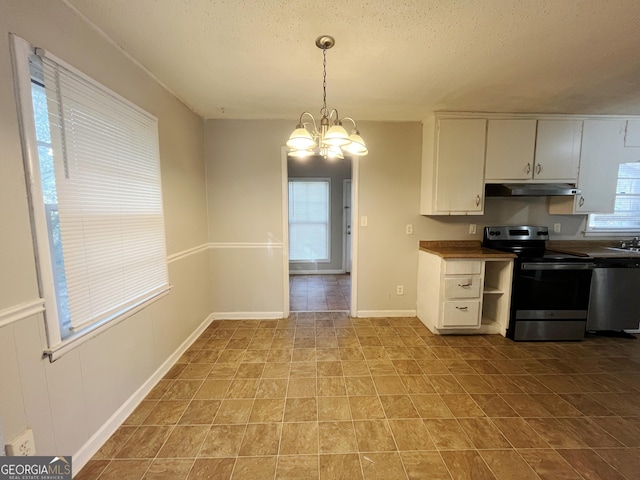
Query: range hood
{"x": 530, "y": 189}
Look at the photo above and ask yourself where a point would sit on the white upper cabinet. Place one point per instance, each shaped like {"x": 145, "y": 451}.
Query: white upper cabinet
{"x": 510, "y": 149}
{"x": 536, "y": 150}
{"x": 558, "y": 150}
{"x": 602, "y": 151}
{"x": 453, "y": 166}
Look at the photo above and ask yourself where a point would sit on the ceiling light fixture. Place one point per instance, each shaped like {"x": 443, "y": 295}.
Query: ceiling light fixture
{"x": 331, "y": 140}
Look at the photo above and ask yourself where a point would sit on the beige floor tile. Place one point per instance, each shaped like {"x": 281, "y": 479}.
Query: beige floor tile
{"x": 466, "y": 465}
{"x": 272, "y": 388}
{"x": 92, "y": 470}
{"x": 360, "y": 386}
{"x": 374, "y": 436}
{"x": 447, "y": 434}
{"x": 233, "y": 411}
{"x": 431, "y": 406}
{"x": 182, "y": 390}
{"x": 145, "y": 442}
{"x": 340, "y": 467}
{"x": 200, "y": 412}
{"x": 212, "y": 389}
{"x": 382, "y": 466}
{"x": 261, "y": 439}
{"x": 519, "y": 433}
{"x": 141, "y": 412}
{"x": 411, "y": 435}
{"x": 337, "y": 437}
{"x": 462, "y": 405}
{"x": 212, "y": 469}
{"x": 549, "y": 465}
{"x": 483, "y": 433}
{"x": 298, "y": 467}
{"x": 366, "y": 408}
{"x": 267, "y": 410}
{"x": 590, "y": 465}
{"x": 333, "y": 408}
{"x": 125, "y": 470}
{"x": 222, "y": 441}
{"x": 169, "y": 469}
{"x": 388, "y": 384}
{"x": 486, "y": 406}
{"x": 300, "y": 410}
{"x": 398, "y": 406}
{"x": 115, "y": 443}
{"x": 424, "y": 465}
{"x": 302, "y": 387}
{"x": 299, "y": 438}
{"x": 416, "y": 384}
{"x": 184, "y": 441}
{"x": 243, "y": 388}
{"x": 331, "y": 386}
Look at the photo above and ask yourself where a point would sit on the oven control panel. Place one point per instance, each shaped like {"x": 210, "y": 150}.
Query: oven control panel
{"x": 520, "y": 232}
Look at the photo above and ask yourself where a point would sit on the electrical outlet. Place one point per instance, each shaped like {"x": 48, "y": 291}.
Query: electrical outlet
{"x": 472, "y": 229}
{"x": 23, "y": 445}
{"x": 364, "y": 221}
{"x": 400, "y": 290}
{"x": 557, "y": 227}
{"x": 409, "y": 229}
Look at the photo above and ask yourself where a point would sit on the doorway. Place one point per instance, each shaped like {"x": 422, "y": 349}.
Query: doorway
{"x": 318, "y": 278}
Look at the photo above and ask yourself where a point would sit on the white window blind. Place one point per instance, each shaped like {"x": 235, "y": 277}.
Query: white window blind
{"x": 309, "y": 220}
{"x": 107, "y": 177}
{"x": 626, "y": 215}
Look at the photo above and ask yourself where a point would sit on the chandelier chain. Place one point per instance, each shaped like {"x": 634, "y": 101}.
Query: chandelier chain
{"x": 324, "y": 110}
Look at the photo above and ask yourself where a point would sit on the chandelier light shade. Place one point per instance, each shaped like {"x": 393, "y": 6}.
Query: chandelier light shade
{"x": 331, "y": 140}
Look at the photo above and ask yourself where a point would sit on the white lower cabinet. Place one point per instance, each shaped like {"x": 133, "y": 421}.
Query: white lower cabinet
{"x": 464, "y": 295}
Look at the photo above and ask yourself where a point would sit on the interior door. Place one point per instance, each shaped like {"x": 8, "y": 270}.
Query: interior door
{"x": 346, "y": 202}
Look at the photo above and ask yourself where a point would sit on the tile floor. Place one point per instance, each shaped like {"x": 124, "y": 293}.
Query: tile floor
{"x": 323, "y": 396}
{"x": 317, "y": 293}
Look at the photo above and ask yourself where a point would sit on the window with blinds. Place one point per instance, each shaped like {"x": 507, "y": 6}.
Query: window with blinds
{"x": 96, "y": 198}
{"x": 626, "y": 216}
{"x": 309, "y": 230}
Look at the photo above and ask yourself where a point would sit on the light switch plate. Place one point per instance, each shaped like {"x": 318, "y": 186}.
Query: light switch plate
{"x": 364, "y": 221}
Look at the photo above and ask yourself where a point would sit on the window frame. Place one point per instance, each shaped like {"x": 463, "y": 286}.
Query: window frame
{"x": 56, "y": 344}
{"x": 625, "y": 232}
{"x": 327, "y": 181}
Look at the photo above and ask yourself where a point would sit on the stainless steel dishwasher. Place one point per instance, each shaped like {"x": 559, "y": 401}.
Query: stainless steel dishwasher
{"x": 614, "y": 303}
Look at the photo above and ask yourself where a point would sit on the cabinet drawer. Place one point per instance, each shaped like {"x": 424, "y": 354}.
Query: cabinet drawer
{"x": 462, "y": 287}
{"x": 461, "y": 314}
{"x": 454, "y": 267}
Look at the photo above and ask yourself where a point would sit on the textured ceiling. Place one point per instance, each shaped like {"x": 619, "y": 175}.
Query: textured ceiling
{"x": 393, "y": 59}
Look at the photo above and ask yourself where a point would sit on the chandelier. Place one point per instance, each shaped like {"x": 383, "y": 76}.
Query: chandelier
{"x": 331, "y": 140}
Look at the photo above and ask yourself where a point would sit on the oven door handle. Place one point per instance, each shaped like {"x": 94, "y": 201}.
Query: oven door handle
{"x": 556, "y": 266}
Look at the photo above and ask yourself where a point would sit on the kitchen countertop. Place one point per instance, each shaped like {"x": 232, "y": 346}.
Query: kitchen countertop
{"x": 462, "y": 249}
{"x": 590, "y": 248}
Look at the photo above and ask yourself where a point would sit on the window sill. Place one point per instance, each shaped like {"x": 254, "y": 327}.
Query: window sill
{"x": 76, "y": 339}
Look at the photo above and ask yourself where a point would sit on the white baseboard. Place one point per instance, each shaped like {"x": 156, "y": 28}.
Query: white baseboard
{"x": 89, "y": 449}
{"x": 247, "y": 315}
{"x": 386, "y": 313}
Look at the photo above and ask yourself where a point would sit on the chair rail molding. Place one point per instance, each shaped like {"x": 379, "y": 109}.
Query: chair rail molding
{"x": 19, "y": 312}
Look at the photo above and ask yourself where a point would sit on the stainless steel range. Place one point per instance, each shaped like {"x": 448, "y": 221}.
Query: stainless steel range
{"x": 550, "y": 292}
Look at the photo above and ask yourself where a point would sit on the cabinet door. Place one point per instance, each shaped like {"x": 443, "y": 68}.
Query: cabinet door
{"x": 510, "y": 147}
{"x": 558, "y": 150}
{"x": 460, "y": 166}
{"x": 602, "y": 142}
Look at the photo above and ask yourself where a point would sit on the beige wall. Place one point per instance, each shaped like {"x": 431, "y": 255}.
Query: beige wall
{"x": 67, "y": 401}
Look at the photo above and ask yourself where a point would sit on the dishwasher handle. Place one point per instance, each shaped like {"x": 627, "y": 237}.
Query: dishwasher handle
{"x": 557, "y": 266}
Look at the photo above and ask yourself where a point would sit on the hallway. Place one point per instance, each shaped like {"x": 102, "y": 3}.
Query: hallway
{"x": 320, "y": 293}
